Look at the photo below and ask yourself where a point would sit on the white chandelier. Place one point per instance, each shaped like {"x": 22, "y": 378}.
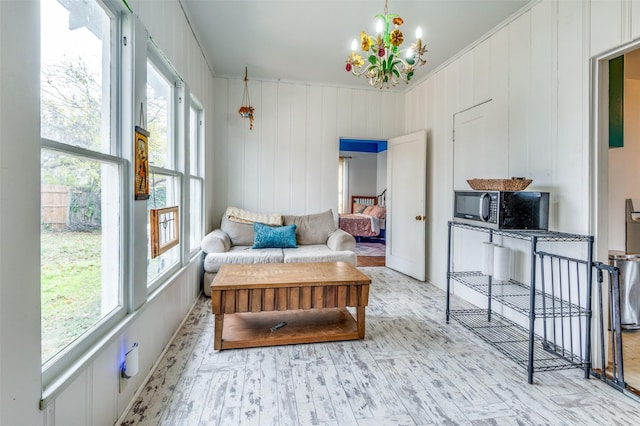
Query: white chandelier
{"x": 387, "y": 63}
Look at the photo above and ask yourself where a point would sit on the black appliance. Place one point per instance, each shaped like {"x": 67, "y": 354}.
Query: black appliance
{"x": 502, "y": 209}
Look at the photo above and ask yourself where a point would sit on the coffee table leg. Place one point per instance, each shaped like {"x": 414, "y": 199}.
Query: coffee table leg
{"x": 360, "y": 321}
{"x": 217, "y": 333}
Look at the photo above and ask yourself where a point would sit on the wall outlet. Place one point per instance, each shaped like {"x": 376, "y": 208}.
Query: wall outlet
{"x": 122, "y": 382}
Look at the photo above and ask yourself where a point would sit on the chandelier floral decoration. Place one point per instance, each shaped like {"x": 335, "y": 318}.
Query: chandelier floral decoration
{"x": 246, "y": 110}
{"x": 385, "y": 65}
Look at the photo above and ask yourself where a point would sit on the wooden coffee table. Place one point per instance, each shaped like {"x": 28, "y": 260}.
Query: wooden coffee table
{"x": 311, "y": 298}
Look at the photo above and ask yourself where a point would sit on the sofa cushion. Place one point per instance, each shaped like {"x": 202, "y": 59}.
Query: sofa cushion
{"x": 318, "y": 253}
{"x": 216, "y": 241}
{"x": 240, "y": 234}
{"x": 313, "y": 228}
{"x": 341, "y": 240}
{"x": 274, "y": 236}
{"x": 242, "y": 255}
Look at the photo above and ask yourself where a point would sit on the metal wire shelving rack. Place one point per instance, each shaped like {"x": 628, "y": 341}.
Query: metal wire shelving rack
{"x": 558, "y": 294}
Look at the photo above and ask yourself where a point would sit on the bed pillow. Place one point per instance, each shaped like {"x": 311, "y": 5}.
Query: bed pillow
{"x": 378, "y": 212}
{"x": 368, "y": 210}
{"x": 358, "y": 208}
{"x": 274, "y": 236}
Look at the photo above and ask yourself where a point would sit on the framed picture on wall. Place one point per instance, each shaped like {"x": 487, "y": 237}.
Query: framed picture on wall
{"x": 141, "y": 155}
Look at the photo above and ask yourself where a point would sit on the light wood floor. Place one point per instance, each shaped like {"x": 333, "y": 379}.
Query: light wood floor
{"x": 411, "y": 369}
{"x": 371, "y": 261}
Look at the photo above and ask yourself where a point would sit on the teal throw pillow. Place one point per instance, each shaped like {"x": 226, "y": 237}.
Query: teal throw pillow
{"x": 274, "y": 236}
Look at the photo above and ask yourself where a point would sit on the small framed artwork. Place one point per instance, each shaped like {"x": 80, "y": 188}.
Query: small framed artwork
{"x": 141, "y": 154}
{"x": 165, "y": 229}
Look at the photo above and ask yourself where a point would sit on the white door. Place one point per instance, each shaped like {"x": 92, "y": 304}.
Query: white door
{"x": 406, "y": 204}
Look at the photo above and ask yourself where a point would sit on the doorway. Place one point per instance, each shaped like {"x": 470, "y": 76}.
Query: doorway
{"x": 362, "y": 184}
{"x": 616, "y": 187}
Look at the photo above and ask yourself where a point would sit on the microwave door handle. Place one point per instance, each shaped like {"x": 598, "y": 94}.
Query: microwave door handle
{"x": 484, "y": 213}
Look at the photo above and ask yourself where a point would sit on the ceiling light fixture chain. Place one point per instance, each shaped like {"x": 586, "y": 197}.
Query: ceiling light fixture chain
{"x": 246, "y": 110}
{"x": 385, "y": 64}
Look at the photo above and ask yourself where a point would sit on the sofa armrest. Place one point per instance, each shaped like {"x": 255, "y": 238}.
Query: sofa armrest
{"x": 216, "y": 241}
{"x": 340, "y": 240}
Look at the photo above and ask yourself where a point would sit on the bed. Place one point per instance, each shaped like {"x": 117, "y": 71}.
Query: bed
{"x": 367, "y": 217}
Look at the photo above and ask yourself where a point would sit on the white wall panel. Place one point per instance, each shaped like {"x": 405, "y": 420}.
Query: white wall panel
{"x": 499, "y": 85}
{"x": 411, "y": 120}
{"x": 607, "y": 22}
{"x": 250, "y": 145}
{"x": 105, "y": 372}
{"x": 571, "y": 171}
{"x": 519, "y": 95}
{"x": 543, "y": 105}
{"x": 372, "y": 102}
{"x": 634, "y": 6}
{"x": 328, "y": 197}
{"x": 359, "y": 113}
{"x": 20, "y": 368}
{"x": 267, "y": 152}
{"x": 217, "y": 170}
{"x": 466, "y": 80}
{"x": 72, "y": 406}
{"x": 344, "y": 109}
{"x": 237, "y": 128}
{"x": 481, "y": 73}
{"x": 314, "y": 150}
{"x": 296, "y": 188}
{"x": 283, "y": 147}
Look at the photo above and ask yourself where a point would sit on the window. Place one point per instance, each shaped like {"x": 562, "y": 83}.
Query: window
{"x": 165, "y": 180}
{"x": 86, "y": 201}
{"x": 81, "y": 181}
{"x": 196, "y": 179}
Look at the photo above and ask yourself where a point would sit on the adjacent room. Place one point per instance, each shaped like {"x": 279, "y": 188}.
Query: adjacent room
{"x": 319, "y": 212}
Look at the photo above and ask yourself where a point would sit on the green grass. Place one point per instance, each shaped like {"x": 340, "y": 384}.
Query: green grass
{"x": 71, "y": 286}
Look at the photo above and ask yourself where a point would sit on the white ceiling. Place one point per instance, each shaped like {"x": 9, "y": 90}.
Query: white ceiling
{"x": 309, "y": 40}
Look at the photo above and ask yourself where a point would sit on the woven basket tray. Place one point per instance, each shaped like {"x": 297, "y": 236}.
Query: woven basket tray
{"x": 513, "y": 184}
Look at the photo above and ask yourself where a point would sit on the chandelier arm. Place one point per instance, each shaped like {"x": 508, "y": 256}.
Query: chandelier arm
{"x": 359, "y": 73}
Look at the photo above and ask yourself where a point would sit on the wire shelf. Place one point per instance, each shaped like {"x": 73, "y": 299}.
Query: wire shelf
{"x": 526, "y": 234}
{"x": 517, "y": 296}
{"x": 512, "y": 340}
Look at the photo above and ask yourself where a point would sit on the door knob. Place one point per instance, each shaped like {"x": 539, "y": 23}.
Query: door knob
{"x": 421, "y": 217}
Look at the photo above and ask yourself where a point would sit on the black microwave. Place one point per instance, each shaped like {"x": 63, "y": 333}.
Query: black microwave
{"x": 502, "y": 209}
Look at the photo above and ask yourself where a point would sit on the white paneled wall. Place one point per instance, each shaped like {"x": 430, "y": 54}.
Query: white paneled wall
{"x": 536, "y": 71}
{"x": 288, "y": 163}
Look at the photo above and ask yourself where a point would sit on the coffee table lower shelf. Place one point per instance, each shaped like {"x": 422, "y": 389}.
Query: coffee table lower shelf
{"x": 253, "y": 329}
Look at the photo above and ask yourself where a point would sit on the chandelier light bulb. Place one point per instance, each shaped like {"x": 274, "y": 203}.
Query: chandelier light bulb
{"x": 379, "y": 25}
{"x": 354, "y": 45}
{"x": 418, "y": 32}
{"x": 409, "y": 53}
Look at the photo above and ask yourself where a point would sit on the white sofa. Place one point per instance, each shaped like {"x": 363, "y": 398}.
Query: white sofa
{"x": 317, "y": 236}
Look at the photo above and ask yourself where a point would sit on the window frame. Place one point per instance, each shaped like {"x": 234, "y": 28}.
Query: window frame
{"x": 176, "y": 158}
{"x": 87, "y": 341}
{"x": 198, "y": 175}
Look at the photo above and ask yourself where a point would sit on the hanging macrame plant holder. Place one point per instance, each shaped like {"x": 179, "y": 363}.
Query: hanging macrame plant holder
{"x": 246, "y": 110}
